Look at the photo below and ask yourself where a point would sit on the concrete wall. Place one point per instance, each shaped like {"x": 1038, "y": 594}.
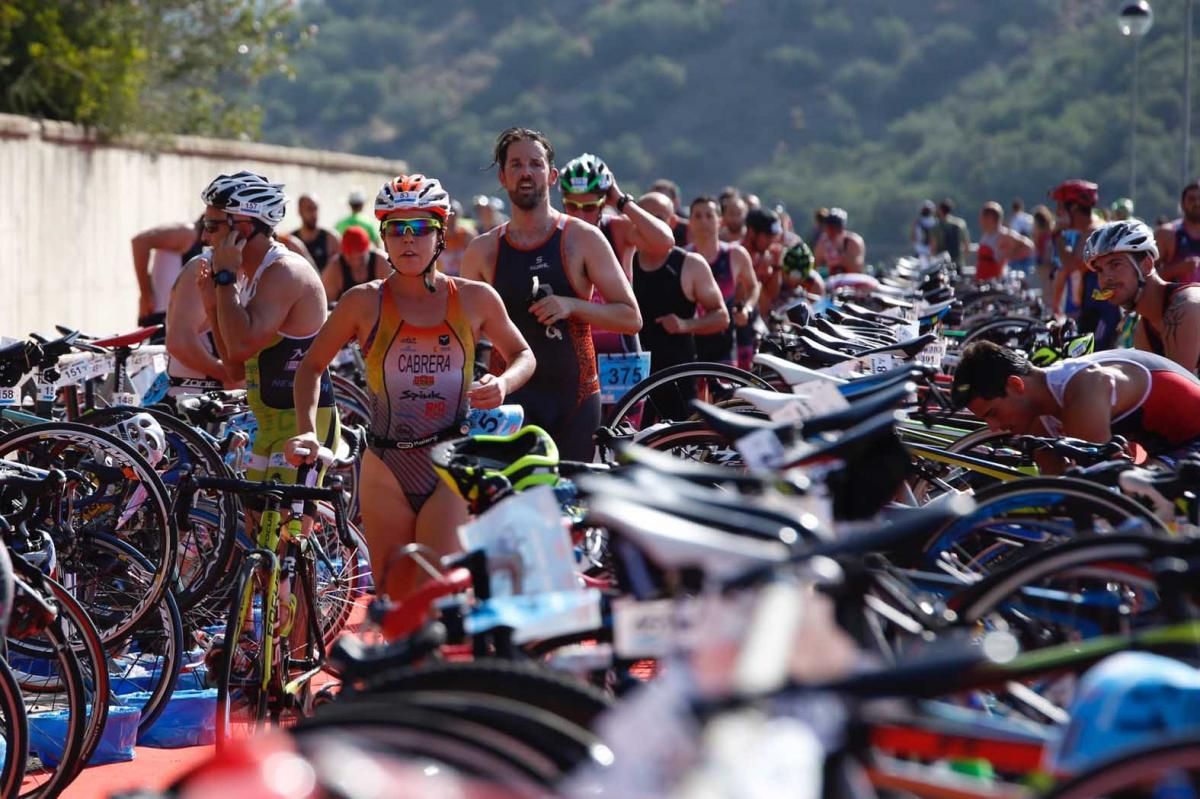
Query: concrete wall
{"x": 69, "y": 206}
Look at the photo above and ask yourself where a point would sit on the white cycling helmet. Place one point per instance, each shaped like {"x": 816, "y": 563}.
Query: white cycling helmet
{"x": 413, "y": 193}
{"x": 1129, "y": 235}
{"x": 247, "y": 194}
{"x": 142, "y": 432}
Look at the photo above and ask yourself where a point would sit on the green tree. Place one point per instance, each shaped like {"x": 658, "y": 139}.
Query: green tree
{"x": 150, "y": 66}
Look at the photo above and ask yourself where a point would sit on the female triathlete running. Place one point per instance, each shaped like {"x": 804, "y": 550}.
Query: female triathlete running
{"x": 417, "y": 330}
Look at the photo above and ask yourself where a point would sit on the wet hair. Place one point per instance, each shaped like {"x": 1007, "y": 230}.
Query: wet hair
{"x": 703, "y": 198}
{"x": 983, "y": 370}
{"x": 514, "y": 135}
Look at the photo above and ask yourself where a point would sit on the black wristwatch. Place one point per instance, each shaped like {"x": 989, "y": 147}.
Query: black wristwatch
{"x": 224, "y": 277}
{"x": 624, "y": 199}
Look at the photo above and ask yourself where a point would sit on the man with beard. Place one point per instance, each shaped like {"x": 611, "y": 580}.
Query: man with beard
{"x": 1179, "y": 241}
{"x": 1122, "y": 255}
{"x": 544, "y": 266}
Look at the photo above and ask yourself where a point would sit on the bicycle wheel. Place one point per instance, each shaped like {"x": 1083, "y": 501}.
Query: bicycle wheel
{"x": 241, "y": 688}
{"x": 665, "y": 395}
{"x": 118, "y": 494}
{"x": 206, "y": 530}
{"x": 342, "y": 573}
{"x": 14, "y": 731}
{"x": 530, "y": 683}
{"x": 692, "y": 441}
{"x": 150, "y": 659}
{"x": 85, "y": 642}
{"x": 1011, "y": 516}
{"x": 51, "y": 679}
{"x": 1088, "y": 587}
{"x": 938, "y": 477}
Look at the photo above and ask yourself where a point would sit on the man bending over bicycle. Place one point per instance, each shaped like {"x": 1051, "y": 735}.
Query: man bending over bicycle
{"x": 1148, "y": 399}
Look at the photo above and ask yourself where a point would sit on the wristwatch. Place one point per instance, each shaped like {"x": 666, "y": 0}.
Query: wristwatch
{"x": 624, "y": 199}
{"x": 224, "y": 277}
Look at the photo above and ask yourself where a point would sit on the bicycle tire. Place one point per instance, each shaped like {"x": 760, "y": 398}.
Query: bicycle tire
{"x": 994, "y": 500}
{"x": 473, "y": 748}
{"x": 207, "y": 532}
{"x": 158, "y": 541}
{"x": 975, "y": 601}
{"x": 623, "y": 410}
{"x": 159, "y": 635}
{"x": 530, "y": 683}
{"x": 70, "y": 685}
{"x": 244, "y": 689}
{"x": 88, "y": 647}
{"x": 692, "y": 441}
{"x": 15, "y": 733}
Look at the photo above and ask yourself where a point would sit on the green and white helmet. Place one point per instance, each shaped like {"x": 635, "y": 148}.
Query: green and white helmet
{"x": 584, "y": 175}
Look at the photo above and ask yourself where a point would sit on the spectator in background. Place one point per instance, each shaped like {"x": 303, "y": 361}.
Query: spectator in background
{"x": 459, "y": 233}
{"x": 840, "y": 250}
{"x": 814, "y": 235}
{"x": 998, "y": 245}
{"x": 752, "y": 201}
{"x": 489, "y": 212}
{"x": 322, "y": 244}
{"x": 733, "y": 218}
{"x": 1021, "y": 221}
{"x": 671, "y": 189}
{"x": 1045, "y": 252}
{"x": 159, "y": 254}
{"x": 951, "y": 235}
{"x": 357, "y": 218}
{"x": 922, "y": 229}
{"x": 1121, "y": 209}
{"x": 357, "y": 263}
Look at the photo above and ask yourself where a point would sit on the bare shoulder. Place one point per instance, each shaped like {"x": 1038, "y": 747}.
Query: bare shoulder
{"x": 1187, "y": 298}
{"x": 693, "y": 262}
{"x": 476, "y": 294}
{"x": 485, "y": 243}
{"x": 739, "y": 253}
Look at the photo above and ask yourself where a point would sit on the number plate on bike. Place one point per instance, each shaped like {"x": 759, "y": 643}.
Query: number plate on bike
{"x": 620, "y": 372}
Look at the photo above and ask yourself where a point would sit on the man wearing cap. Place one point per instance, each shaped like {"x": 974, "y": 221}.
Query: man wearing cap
{"x": 356, "y": 264}
{"x": 358, "y": 219}
{"x": 839, "y": 250}
{"x": 997, "y": 244}
{"x": 764, "y": 242}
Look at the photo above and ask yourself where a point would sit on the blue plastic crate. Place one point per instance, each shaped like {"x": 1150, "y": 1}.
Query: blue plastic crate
{"x": 48, "y": 731}
{"x": 188, "y": 720}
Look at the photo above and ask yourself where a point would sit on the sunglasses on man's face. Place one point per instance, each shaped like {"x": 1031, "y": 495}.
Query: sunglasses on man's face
{"x": 410, "y": 227}
{"x": 590, "y": 205}
{"x": 213, "y": 225}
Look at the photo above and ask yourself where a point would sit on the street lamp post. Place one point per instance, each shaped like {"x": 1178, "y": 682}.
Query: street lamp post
{"x": 1187, "y": 96}
{"x": 1135, "y": 20}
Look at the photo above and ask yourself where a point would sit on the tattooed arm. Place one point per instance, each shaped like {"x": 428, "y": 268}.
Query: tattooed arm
{"x": 1181, "y": 329}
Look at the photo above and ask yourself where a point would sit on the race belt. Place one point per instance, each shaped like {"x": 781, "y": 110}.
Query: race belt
{"x": 457, "y": 430}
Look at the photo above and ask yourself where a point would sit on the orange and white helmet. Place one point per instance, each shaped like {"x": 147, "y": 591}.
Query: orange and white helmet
{"x": 412, "y": 193}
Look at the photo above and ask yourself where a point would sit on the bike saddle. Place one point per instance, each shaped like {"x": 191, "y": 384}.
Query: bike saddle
{"x": 887, "y": 399}
{"x": 733, "y": 426}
